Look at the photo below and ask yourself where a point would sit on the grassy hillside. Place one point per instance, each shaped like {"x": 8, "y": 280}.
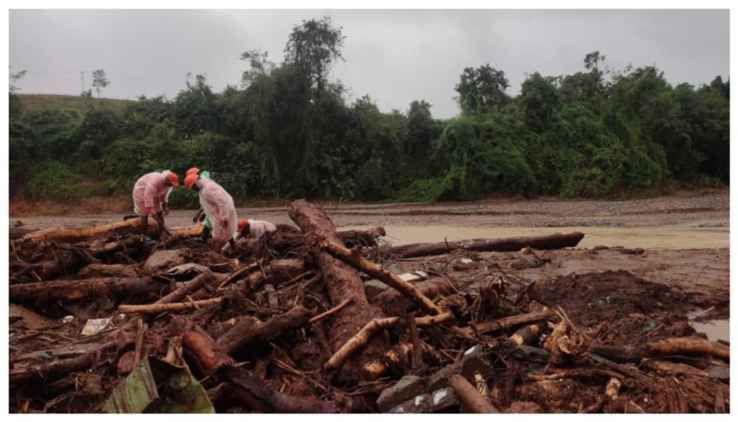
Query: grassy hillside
{"x": 39, "y": 102}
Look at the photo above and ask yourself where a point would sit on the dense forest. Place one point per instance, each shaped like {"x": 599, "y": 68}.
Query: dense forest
{"x": 287, "y": 130}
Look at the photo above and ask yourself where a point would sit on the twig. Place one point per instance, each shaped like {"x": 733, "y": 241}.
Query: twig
{"x": 164, "y": 307}
{"x": 238, "y": 273}
{"x": 331, "y": 311}
{"x": 365, "y": 334}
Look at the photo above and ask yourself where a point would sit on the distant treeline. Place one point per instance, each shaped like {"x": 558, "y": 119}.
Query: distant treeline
{"x": 288, "y": 131}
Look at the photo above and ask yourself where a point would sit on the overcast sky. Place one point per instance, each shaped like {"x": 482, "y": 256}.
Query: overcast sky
{"x": 394, "y": 56}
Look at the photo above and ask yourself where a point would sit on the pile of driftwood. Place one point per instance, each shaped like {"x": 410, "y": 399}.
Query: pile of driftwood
{"x": 311, "y": 319}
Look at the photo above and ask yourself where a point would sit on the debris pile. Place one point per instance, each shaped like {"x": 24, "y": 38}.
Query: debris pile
{"x": 311, "y": 319}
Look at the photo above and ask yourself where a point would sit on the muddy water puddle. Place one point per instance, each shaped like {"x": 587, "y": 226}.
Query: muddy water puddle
{"x": 715, "y": 330}
{"x": 657, "y": 237}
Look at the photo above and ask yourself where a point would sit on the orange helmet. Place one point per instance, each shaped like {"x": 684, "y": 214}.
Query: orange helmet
{"x": 193, "y": 170}
{"x": 190, "y": 179}
{"x": 171, "y": 177}
{"x": 242, "y": 224}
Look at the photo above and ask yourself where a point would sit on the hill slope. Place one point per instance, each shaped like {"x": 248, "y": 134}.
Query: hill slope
{"x": 39, "y": 102}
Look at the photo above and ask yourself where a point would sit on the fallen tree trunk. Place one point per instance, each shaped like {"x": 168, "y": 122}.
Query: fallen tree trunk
{"x": 132, "y": 225}
{"x": 358, "y": 261}
{"x": 688, "y": 346}
{"x": 469, "y": 397}
{"x": 250, "y": 330}
{"x": 342, "y": 283}
{"x": 76, "y": 290}
{"x": 78, "y": 234}
{"x": 553, "y": 241}
{"x": 669, "y": 346}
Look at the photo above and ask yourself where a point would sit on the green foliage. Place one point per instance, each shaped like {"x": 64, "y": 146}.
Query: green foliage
{"x": 57, "y": 181}
{"x": 287, "y": 131}
{"x": 482, "y": 90}
{"x": 48, "y": 102}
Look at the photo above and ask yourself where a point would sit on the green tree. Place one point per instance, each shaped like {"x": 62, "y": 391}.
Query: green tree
{"x": 420, "y": 130}
{"x": 482, "y": 90}
{"x": 313, "y": 47}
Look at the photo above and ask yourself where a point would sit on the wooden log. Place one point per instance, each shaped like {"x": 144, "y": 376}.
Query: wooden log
{"x": 363, "y": 337}
{"x": 168, "y": 307}
{"x": 342, "y": 282}
{"x": 358, "y": 261}
{"x": 250, "y": 330}
{"x": 553, "y": 241}
{"x": 469, "y": 397}
{"x": 76, "y": 290}
{"x": 78, "y": 234}
{"x": 669, "y": 346}
{"x": 508, "y": 322}
{"x": 189, "y": 288}
{"x": 526, "y": 335}
{"x": 206, "y": 351}
{"x": 688, "y": 346}
{"x": 132, "y": 225}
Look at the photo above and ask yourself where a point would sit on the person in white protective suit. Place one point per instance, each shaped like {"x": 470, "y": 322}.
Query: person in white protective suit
{"x": 217, "y": 204}
{"x": 151, "y": 196}
{"x": 256, "y": 228}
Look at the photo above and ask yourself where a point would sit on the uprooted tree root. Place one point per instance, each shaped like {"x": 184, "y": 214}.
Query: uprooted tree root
{"x": 291, "y": 323}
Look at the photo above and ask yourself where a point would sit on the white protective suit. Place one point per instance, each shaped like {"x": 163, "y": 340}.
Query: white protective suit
{"x": 150, "y": 192}
{"x": 217, "y": 204}
{"x": 257, "y": 228}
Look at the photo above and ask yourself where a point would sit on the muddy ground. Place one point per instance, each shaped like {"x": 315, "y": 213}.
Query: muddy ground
{"x": 700, "y": 209}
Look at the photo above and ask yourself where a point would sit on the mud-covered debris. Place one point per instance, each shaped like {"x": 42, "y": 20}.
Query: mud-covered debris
{"x": 94, "y": 326}
{"x": 159, "y": 387}
{"x": 407, "y": 387}
{"x": 438, "y": 400}
{"x": 320, "y": 321}
{"x": 27, "y": 317}
{"x": 165, "y": 259}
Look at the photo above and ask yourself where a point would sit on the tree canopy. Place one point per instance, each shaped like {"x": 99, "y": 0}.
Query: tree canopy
{"x": 288, "y": 130}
